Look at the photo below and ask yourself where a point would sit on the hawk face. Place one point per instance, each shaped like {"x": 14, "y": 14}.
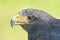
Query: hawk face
{"x": 31, "y": 19}
{"x": 27, "y": 18}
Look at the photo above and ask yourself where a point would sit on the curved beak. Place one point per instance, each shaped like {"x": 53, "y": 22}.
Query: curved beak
{"x": 14, "y": 21}
{"x": 18, "y": 20}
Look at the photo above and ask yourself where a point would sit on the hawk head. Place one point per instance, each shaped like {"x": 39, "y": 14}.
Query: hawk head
{"x": 31, "y": 19}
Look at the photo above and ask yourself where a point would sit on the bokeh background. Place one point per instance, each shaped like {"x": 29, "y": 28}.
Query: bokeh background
{"x": 9, "y": 8}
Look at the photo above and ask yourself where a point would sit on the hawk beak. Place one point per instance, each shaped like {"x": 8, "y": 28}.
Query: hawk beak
{"x": 18, "y": 20}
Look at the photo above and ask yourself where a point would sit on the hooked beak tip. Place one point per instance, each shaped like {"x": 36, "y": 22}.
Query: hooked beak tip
{"x": 11, "y": 23}
{"x": 12, "y": 26}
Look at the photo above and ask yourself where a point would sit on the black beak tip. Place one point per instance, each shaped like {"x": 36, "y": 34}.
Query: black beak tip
{"x": 12, "y": 26}
{"x": 11, "y": 23}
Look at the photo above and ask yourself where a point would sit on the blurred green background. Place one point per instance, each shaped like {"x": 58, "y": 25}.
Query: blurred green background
{"x": 9, "y": 8}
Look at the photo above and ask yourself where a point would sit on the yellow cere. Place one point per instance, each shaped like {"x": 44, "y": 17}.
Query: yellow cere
{"x": 9, "y": 8}
{"x": 17, "y": 16}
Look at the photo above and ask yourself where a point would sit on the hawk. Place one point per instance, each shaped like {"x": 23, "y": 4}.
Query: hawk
{"x": 39, "y": 24}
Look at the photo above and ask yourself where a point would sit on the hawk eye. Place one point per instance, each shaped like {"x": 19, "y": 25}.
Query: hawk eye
{"x": 30, "y": 17}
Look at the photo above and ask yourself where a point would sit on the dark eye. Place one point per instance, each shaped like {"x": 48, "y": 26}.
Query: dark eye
{"x": 31, "y": 17}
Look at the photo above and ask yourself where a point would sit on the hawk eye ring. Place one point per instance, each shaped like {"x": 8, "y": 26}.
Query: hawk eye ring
{"x": 31, "y": 17}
